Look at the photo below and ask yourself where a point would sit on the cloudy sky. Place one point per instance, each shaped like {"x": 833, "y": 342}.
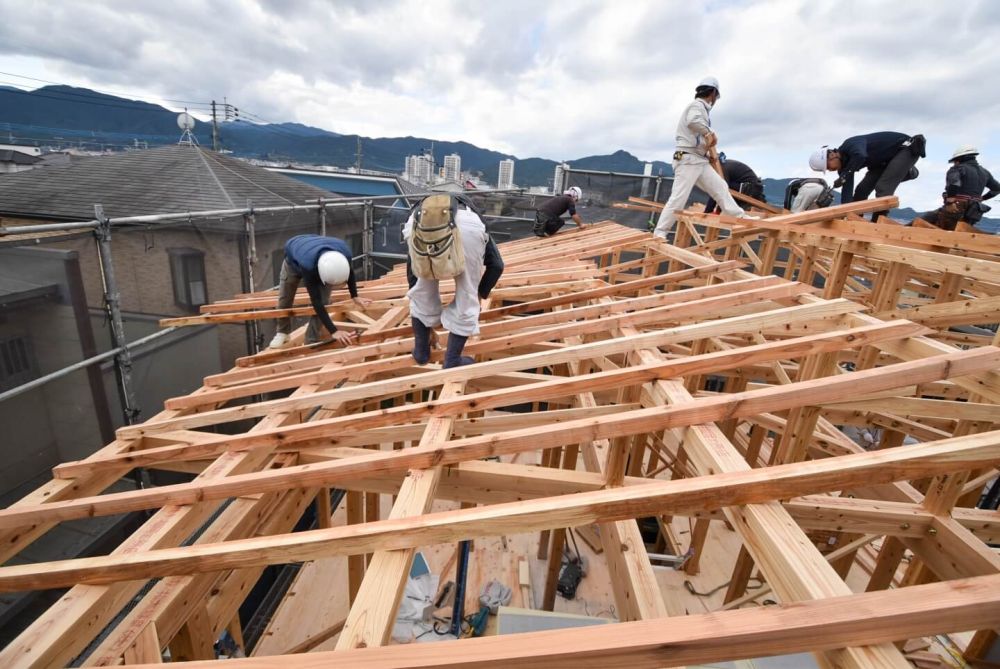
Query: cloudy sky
{"x": 559, "y": 80}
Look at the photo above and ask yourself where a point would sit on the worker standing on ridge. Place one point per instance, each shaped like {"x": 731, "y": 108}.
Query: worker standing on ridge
{"x": 890, "y": 158}
{"x": 320, "y": 263}
{"x": 963, "y": 192}
{"x": 548, "y": 218}
{"x": 740, "y": 178}
{"x": 695, "y": 140}
{"x": 434, "y": 253}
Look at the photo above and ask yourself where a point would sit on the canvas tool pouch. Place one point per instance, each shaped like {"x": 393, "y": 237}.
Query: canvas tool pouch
{"x": 435, "y": 242}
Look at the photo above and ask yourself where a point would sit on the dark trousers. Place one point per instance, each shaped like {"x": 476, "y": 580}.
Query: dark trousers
{"x": 545, "y": 225}
{"x": 886, "y": 180}
{"x": 948, "y": 216}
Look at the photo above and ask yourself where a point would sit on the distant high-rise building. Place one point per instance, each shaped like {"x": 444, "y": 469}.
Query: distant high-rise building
{"x": 505, "y": 179}
{"x": 557, "y": 181}
{"x": 453, "y": 167}
{"x": 420, "y": 169}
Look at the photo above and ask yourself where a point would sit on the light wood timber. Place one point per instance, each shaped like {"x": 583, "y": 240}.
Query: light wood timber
{"x": 807, "y": 626}
{"x": 738, "y": 488}
{"x": 774, "y": 317}
{"x": 628, "y": 422}
{"x": 547, "y": 390}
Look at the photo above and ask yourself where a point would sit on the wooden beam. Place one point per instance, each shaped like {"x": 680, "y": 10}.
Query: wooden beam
{"x": 868, "y": 618}
{"x": 639, "y": 421}
{"x": 661, "y": 497}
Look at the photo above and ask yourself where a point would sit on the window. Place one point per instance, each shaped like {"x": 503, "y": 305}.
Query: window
{"x": 187, "y": 274}
{"x": 17, "y": 362}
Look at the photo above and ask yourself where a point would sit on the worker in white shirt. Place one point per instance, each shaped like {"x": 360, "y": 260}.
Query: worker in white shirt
{"x": 691, "y": 160}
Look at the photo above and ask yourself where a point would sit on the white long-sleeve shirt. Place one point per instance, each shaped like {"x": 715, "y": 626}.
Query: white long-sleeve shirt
{"x": 693, "y": 124}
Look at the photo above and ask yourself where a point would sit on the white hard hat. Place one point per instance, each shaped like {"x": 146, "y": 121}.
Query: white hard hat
{"x": 964, "y": 150}
{"x": 711, "y": 82}
{"x": 574, "y": 192}
{"x": 333, "y": 268}
{"x": 817, "y": 160}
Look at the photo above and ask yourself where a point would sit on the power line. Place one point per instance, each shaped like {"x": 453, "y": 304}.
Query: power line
{"x": 97, "y": 90}
{"x": 56, "y": 96}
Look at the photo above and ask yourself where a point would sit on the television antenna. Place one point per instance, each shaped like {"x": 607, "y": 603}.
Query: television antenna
{"x": 186, "y": 123}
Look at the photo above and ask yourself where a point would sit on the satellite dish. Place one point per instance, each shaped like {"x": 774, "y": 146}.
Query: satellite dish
{"x": 185, "y": 122}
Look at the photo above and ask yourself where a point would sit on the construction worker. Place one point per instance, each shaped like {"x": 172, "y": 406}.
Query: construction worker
{"x": 808, "y": 193}
{"x": 889, "y": 157}
{"x": 963, "y": 192}
{"x": 483, "y": 268}
{"x": 320, "y": 263}
{"x": 695, "y": 140}
{"x": 548, "y": 218}
{"x": 740, "y": 178}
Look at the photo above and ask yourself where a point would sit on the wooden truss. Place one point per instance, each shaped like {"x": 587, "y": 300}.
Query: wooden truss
{"x": 706, "y": 380}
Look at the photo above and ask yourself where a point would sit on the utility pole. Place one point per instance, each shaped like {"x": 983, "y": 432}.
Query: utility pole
{"x": 357, "y": 164}
{"x": 215, "y": 129}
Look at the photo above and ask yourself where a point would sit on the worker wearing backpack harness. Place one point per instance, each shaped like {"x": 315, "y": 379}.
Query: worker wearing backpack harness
{"x": 808, "y": 193}
{"x": 963, "y": 194}
{"x": 320, "y": 263}
{"x": 889, "y": 157}
{"x": 447, "y": 238}
{"x": 548, "y": 218}
{"x": 691, "y": 164}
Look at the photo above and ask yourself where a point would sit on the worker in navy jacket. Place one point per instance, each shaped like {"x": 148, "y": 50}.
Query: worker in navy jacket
{"x": 889, "y": 157}
{"x": 320, "y": 263}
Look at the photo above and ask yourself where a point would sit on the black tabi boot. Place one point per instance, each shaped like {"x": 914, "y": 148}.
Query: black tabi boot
{"x": 421, "y": 341}
{"x": 453, "y": 356}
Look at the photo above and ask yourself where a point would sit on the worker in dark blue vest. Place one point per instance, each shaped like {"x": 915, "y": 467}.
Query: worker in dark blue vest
{"x": 963, "y": 192}
{"x": 320, "y": 263}
{"x": 889, "y": 157}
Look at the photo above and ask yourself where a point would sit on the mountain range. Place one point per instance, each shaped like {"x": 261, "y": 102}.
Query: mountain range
{"x": 64, "y": 115}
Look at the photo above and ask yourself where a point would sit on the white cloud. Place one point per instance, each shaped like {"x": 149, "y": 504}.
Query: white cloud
{"x": 558, "y": 79}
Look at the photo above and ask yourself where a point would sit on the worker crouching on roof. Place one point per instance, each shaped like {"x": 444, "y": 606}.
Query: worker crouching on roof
{"x": 548, "y": 218}
{"x": 447, "y": 238}
{"x": 963, "y": 194}
{"x": 320, "y": 263}
{"x": 741, "y": 178}
{"x": 695, "y": 140}
{"x": 889, "y": 157}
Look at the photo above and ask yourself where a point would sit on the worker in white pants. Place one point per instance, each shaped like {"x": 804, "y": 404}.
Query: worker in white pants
{"x": 690, "y": 171}
{"x": 461, "y": 316}
{"x": 691, "y": 165}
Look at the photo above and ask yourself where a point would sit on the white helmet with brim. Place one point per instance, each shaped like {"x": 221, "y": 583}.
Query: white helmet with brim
{"x": 709, "y": 82}
{"x": 333, "y": 268}
{"x": 964, "y": 150}
{"x": 817, "y": 160}
{"x": 574, "y": 192}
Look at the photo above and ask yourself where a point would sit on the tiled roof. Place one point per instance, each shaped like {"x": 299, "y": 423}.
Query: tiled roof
{"x": 169, "y": 179}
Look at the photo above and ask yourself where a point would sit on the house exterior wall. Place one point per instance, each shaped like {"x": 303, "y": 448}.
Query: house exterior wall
{"x": 142, "y": 264}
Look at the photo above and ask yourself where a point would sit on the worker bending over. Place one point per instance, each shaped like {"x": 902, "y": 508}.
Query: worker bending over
{"x": 320, "y": 263}
{"x": 889, "y": 157}
{"x": 695, "y": 140}
{"x": 740, "y": 178}
{"x": 963, "y": 192}
{"x": 548, "y": 218}
{"x": 447, "y": 238}
{"x": 808, "y": 193}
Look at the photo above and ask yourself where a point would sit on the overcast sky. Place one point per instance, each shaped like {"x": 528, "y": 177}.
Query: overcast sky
{"x": 559, "y": 80}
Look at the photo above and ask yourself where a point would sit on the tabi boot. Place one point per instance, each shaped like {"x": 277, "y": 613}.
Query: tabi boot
{"x": 453, "y": 355}
{"x": 421, "y": 341}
